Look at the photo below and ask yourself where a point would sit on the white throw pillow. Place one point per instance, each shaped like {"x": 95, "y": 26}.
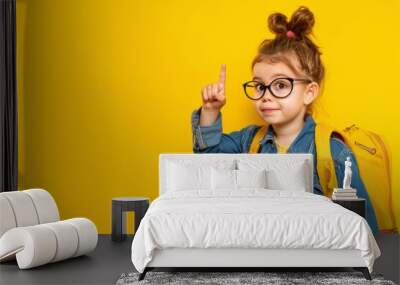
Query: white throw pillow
{"x": 251, "y": 178}
{"x": 223, "y": 179}
{"x": 293, "y": 179}
{"x": 181, "y": 177}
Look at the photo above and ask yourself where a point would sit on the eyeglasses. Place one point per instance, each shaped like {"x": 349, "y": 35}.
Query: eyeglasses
{"x": 279, "y": 87}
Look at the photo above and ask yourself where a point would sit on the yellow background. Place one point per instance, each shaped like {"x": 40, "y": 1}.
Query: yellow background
{"x": 104, "y": 87}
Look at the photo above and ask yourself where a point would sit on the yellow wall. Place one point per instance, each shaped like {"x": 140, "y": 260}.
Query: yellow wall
{"x": 105, "y": 86}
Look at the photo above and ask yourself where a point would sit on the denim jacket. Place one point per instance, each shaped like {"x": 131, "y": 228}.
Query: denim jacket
{"x": 211, "y": 139}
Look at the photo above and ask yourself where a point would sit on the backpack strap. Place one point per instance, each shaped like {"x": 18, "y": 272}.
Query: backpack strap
{"x": 325, "y": 167}
{"x": 254, "y": 147}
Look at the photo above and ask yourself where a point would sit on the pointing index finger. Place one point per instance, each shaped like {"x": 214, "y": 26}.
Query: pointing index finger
{"x": 222, "y": 74}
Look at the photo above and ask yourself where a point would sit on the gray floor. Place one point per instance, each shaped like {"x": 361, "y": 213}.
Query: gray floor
{"x": 389, "y": 262}
{"x": 111, "y": 259}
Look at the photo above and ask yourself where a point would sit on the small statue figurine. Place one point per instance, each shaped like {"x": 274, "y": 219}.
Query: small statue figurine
{"x": 347, "y": 174}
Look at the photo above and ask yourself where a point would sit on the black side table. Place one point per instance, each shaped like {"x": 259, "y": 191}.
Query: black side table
{"x": 119, "y": 208}
{"x": 356, "y": 205}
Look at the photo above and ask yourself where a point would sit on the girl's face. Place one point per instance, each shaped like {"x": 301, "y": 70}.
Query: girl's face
{"x": 282, "y": 110}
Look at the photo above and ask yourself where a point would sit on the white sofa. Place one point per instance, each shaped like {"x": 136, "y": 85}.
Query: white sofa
{"x": 31, "y": 231}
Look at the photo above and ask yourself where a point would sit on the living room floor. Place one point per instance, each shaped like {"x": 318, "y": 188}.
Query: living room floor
{"x": 110, "y": 259}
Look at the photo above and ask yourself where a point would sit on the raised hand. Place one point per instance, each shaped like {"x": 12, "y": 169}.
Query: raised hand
{"x": 213, "y": 94}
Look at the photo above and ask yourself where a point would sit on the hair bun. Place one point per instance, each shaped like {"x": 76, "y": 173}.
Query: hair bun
{"x": 277, "y": 23}
{"x": 301, "y": 23}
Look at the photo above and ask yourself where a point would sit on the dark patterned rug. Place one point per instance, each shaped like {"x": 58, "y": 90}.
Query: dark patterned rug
{"x": 225, "y": 278}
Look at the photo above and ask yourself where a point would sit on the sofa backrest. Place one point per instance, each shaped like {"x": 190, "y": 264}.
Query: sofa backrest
{"x": 26, "y": 208}
{"x": 267, "y": 160}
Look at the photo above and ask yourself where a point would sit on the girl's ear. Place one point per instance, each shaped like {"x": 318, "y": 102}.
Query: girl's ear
{"x": 311, "y": 93}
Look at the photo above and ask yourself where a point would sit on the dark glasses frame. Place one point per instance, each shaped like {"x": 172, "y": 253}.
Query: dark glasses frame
{"x": 265, "y": 87}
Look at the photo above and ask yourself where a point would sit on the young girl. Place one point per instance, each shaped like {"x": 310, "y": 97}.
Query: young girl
{"x": 287, "y": 75}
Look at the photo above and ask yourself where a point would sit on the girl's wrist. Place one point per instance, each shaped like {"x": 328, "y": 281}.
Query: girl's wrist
{"x": 208, "y": 117}
{"x": 209, "y": 111}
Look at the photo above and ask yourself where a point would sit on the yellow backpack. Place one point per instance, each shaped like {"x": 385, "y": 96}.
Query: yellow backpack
{"x": 374, "y": 165}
